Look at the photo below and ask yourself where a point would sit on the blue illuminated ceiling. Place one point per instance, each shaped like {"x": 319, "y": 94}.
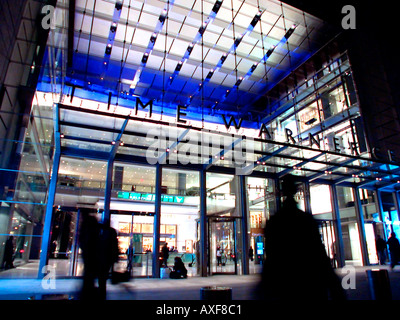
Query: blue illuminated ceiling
{"x": 215, "y": 57}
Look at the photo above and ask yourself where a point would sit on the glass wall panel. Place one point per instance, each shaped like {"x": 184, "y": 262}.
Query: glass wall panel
{"x": 224, "y": 224}
{"x": 261, "y": 205}
{"x": 309, "y": 116}
{"x": 221, "y": 195}
{"x": 333, "y": 100}
{"x": 389, "y": 215}
{"x": 372, "y": 224}
{"x": 132, "y": 215}
{"x": 23, "y": 195}
{"x": 350, "y": 233}
{"x": 180, "y": 212}
{"x": 321, "y": 208}
{"x": 81, "y": 184}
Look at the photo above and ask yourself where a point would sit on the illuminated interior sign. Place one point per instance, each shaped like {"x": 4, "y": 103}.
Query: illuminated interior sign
{"x": 149, "y": 197}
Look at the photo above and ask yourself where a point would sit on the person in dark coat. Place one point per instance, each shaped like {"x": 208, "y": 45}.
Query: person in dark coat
{"x": 164, "y": 255}
{"x": 394, "y": 248}
{"x": 251, "y": 253}
{"x": 9, "y": 253}
{"x": 296, "y": 266}
{"x": 381, "y": 250}
{"x": 179, "y": 271}
{"x": 107, "y": 255}
{"x": 88, "y": 241}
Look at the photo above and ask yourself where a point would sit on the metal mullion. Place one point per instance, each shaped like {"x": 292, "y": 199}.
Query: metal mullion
{"x": 361, "y": 229}
{"x": 90, "y": 39}
{"x": 339, "y": 246}
{"x": 157, "y": 223}
{"x": 45, "y": 245}
{"x": 109, "y": 176}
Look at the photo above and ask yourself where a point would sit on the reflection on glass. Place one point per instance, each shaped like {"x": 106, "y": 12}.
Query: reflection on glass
{"x": 309, "y": 117}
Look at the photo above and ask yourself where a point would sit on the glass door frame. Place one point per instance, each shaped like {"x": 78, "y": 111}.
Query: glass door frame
{"x": 212, "y": 251}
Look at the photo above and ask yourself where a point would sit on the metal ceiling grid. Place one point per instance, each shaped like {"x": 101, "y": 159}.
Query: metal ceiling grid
{"x": 189, "y": 52}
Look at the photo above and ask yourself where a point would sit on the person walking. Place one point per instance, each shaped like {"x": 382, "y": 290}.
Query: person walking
{"x": 88, "y": 241}
{"x": 9, "y": 253}
{"x": 381, "y": 250}
{"x": 296, "y": 265}
{"x": 251, "y": 253}
{"x": 108, "y": 255}
{"x": 394, "y": 248}
{"x": 219, "y": 256}
{"x": 164, "y": 255}
{"x": 130, "y": 252}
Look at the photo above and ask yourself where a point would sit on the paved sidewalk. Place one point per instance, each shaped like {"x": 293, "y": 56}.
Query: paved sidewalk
{"x": 243, "y": 287}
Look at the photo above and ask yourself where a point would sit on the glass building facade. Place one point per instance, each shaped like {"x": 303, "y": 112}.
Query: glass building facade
{"x": 176, "y": 121}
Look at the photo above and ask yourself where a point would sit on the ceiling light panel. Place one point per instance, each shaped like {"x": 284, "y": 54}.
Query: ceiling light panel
{"x": 254, "y": 37}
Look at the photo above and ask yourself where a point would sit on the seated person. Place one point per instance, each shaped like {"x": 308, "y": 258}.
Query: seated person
{"x": 179, "y": 269}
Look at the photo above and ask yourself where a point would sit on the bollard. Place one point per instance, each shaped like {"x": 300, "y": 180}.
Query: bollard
{"x": 216, "y": 293}
{"x": 379, "y": 284}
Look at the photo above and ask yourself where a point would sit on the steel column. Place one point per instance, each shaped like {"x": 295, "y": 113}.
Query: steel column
{"x": 44, "y": 255}
{"x": 360, "y": 222}
{"x": 339, "y": 246}
{"x": 157, "y": 224}
{"x": 105, "y": 219}
{"x": 109, "y": 175}
{"x": 378, "y": 199}
{"x": 396, "y": 199}
{"x": 203, "y": 224}
{"x": 277, "y": 189}
{"x": 244, "y": 224}
{"x": 307, "y": 197}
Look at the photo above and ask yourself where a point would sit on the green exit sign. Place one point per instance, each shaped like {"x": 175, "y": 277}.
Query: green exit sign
{"x": 149, "y": 197}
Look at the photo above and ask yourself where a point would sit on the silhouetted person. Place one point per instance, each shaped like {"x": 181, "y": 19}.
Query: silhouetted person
{"x": 381, "y": 250}
{"x": 251, "y": 253}
{"x": 9, "y": 253}
{"x": 394, "y": 248}
{"x": 219, "y": 256}
{"x": 89, "y": 240}
{"x": 296, "y": 266}
{"x": 130, "y": 252}
{"x": 108, "y": 255}
{"x": 164, "y": 255}
{"x": 179, "y": 270}
{"x": 197, "y": 248}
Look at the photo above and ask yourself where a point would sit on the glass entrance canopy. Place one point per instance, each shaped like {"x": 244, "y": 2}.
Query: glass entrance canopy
{"x": 91, "y": 131}
{"x": 177, "y": 82}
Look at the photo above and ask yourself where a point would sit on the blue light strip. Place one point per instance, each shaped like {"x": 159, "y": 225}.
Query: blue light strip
{"x": 20, "y": 235}
{"x": 196, "y": 40}
{"x": 254, "y": 66}
{"x": 111, "y": 37}
{"x": 232, "y": 49}
{"x": 150, "y": 46}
